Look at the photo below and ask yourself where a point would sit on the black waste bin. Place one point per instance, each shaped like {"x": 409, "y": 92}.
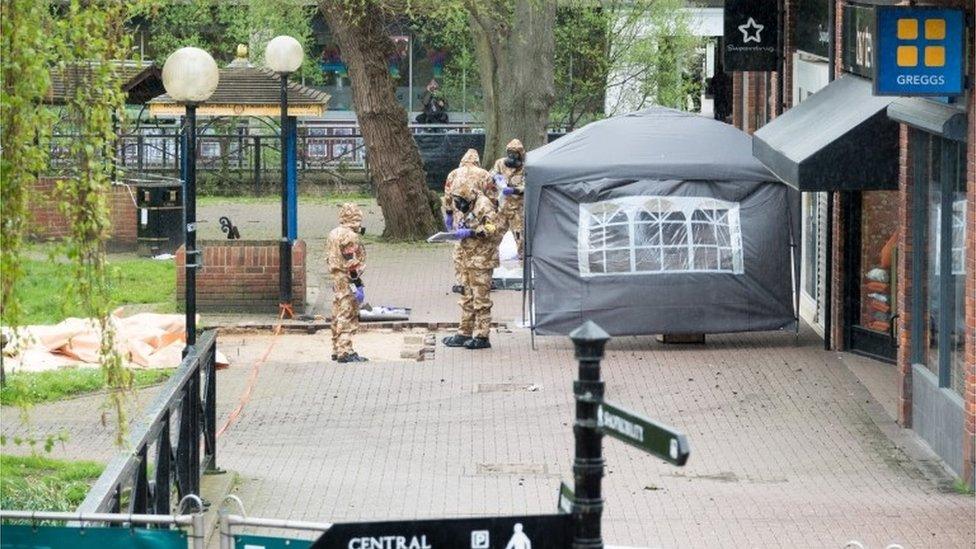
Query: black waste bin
{"x": 160, "y": 225}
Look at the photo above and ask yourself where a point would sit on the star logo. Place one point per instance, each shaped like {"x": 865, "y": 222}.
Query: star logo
{"x": 750, "y": 31}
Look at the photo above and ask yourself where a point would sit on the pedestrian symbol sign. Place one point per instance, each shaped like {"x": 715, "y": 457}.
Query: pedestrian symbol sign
{"x": 525, "y": 532}
{"x": 646, "y": 434}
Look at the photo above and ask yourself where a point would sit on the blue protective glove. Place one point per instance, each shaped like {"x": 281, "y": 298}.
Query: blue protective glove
{"x": 508, "y": 191}
{"x": 449, "y": 221}
{"x": 499, "y": 179}
{"x": 462, "y": 233}
{"x": 360, "y": 294}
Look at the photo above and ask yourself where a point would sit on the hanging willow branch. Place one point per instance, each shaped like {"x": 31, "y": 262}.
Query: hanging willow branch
{"x": 93, "y": 44}
{"x": 24, "y": 31}
{"x": 86, "y": 41}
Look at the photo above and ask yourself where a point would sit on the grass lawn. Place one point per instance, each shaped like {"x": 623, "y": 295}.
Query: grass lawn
{"x": 29, "y": 388}
{"x": 42, "y": 484}
{"x": 133, "y": 281}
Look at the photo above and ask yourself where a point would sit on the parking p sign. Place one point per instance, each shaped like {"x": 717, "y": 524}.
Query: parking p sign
{"x": 920, "y": 51}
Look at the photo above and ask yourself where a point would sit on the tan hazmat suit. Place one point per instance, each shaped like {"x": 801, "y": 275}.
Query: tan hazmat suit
{"x": 469, "y": 170}
{"x": 346, "y": 258}
{"x": 478, "y": 258}
{"x": 510, "y": 214}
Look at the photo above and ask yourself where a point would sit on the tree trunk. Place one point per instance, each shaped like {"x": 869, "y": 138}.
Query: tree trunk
{"x": 516, "y": 54}
{"x": 395, "y": 164}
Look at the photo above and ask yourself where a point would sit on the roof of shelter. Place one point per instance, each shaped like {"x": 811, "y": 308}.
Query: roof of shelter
{"x": 141, "y": 81}
{"x": 246, "y": 90}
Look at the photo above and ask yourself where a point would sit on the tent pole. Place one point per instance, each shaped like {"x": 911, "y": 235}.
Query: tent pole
{"x": 794, "y": 272}
{"x": 527, "y": 283}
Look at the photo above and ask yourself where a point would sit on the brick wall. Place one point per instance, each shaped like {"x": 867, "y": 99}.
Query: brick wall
{"x": 47, "y": 223}
{"x": 242, "y": 275}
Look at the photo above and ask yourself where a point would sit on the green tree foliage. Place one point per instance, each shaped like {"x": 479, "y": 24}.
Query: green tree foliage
{"x": 611, "y": 56}
{"x": 218, "y": 27}
{"x": 652, "y": 55}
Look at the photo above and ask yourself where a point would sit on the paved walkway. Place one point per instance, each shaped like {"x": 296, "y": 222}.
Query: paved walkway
{"x": 789, "y": 449}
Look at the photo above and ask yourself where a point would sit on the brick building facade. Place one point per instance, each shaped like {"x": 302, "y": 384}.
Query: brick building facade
{"x": 894, "y": 233}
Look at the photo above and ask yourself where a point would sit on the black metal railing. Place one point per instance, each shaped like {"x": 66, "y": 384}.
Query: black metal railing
{"x": 142, "y": 478}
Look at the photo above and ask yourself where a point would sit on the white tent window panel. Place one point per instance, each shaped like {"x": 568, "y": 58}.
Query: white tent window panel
{"x": 659, "y": 234}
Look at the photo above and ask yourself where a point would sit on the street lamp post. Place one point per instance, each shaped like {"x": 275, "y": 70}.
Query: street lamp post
{"x": 284, "y": 56}
{"x": 190, "y": 76}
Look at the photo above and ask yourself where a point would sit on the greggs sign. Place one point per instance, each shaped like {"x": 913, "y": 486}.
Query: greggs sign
{"x": 919, "y": 51}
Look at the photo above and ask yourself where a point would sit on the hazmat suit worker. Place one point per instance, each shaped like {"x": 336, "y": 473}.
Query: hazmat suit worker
{"x": 470, "y": 170}
{"x": 346, "y": 258}
{"x": 509, "y": 175}
{"x": 476, "y": 234}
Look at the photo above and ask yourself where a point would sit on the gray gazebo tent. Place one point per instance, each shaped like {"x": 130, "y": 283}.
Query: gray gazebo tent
{"x": 657, "y": 222}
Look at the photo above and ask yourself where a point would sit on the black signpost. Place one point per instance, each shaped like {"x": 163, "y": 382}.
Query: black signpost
{"x": 578, "y": 523}
{"x": 751, "y": 35}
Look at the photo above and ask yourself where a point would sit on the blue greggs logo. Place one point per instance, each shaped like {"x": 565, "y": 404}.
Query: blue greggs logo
{"x": 919, "y": 51}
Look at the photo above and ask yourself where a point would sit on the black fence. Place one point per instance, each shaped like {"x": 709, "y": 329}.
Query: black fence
{"x": 247, "y": 160}
{"x": 187, "y": 401}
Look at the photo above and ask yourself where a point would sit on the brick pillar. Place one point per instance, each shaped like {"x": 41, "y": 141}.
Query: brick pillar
{"x": 737, "y": 91}
{"x": 969, "y": 396}
{"x": 838, "y": 37}
{"x": 906, "y": 286}
{"x": 837, "y": 276}
{"x": 789, "y": 37}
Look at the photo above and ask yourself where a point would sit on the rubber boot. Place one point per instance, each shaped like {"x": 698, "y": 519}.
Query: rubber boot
{"x": 477, "y": 343}
{"x": 351, "y": 357}
{"x": 456, "y": 340}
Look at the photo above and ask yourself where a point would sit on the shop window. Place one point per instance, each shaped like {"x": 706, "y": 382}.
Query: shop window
{"x": 943, "y": 186}
{"x": 655, "y": 235}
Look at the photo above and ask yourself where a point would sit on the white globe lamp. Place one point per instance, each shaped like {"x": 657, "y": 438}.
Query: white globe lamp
{"x": 284, "y": 54}
{"x": 190, "y": 75}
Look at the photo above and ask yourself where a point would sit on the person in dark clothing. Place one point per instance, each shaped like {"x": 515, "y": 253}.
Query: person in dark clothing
{"x": 720, "y": 88}
{"x": 435, "y": 106}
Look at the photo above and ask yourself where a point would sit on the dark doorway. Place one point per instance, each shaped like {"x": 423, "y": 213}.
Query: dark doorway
{"x": 871, "y": 273}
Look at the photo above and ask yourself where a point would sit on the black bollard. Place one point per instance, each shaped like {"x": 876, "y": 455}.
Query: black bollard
{"x": 589, "y": 341}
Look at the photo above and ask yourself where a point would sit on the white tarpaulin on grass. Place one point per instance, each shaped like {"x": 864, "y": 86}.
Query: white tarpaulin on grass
{"x": 145, "y": 340}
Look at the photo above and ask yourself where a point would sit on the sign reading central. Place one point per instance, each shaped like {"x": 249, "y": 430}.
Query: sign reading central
{"x": 919, "y": 51}
{"x": 751, "y": 33}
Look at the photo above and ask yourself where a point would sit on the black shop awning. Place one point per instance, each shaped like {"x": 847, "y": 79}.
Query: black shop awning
{"x": 838, "y": 139}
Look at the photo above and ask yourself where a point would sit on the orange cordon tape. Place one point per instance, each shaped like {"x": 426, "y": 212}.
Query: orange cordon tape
{"x": 252, "y": 378}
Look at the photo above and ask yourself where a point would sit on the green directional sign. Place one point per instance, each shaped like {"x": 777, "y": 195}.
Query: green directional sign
{"x": 246, "y": 541}
{"x": 646, "y": 434}
{"x": 566, "y": 498}
{"x": 15, "y": 536}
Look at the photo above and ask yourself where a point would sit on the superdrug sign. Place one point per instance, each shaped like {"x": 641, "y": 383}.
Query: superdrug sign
{"x": 751, "y": 35}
